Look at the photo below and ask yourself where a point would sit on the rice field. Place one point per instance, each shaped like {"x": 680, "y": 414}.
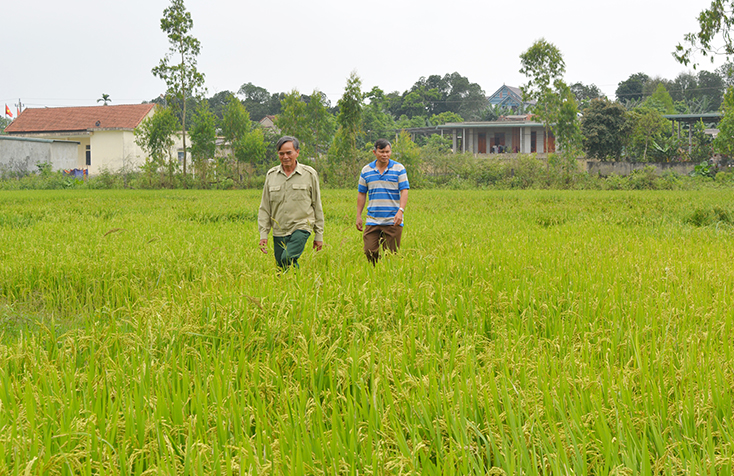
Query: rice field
{"x": 516, "y": 333}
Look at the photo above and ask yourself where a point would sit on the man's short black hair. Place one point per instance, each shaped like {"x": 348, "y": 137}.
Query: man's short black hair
{"x": 381, "y": 144}
{"x": 284, "y": 139}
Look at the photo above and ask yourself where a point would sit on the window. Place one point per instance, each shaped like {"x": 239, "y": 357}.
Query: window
{"x": 89, "y": 155}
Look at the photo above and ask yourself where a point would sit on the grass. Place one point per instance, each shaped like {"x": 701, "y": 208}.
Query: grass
{"x": 543, "y": 332}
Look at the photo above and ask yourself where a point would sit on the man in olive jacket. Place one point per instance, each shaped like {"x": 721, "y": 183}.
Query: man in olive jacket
{"x": 290, "y": 206}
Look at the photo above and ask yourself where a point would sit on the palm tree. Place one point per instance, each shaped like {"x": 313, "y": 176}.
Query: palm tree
{"x": 105, "y": 98}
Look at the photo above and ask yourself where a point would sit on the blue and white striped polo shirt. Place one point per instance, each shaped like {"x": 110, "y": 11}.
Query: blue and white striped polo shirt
{"x": 383, "y": 191}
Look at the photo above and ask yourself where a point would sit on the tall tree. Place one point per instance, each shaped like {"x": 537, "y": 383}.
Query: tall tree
{"x": 349, "y": 119}
{"x": 605, "y": 128}
{"x": 180, "y": 74}
{"x": 104, "y": 99}
{"x": 544, "y": 67}
{"x": 631, "y": 88}
{"x": 343, "y": 155}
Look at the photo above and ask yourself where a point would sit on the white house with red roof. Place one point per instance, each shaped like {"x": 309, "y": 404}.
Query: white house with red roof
{"x": 105, "y": 134}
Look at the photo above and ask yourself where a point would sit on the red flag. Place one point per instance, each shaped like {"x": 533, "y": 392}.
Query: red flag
{"x": 18, "y": 109}
{"x": 7, "y": 111}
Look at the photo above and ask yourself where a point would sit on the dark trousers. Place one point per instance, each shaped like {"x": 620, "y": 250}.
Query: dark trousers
{"x": 288, "y": 249}
{"x": 387, "y": 236}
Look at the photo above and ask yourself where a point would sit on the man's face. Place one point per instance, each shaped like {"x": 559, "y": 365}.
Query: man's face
{"x": 383, "y": 155}
{"x": 288, "y": 155}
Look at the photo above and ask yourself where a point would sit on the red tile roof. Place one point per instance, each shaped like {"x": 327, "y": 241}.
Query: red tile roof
{"x": 75, "y": 119}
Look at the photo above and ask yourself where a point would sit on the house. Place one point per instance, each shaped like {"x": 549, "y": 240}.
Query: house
{"x": 268, "y": 122}
{"x": 22, "y": 155}
{"x": 510, "y": 97}
{"x": 104, "y": 134}
{"x": 514, "y": 134}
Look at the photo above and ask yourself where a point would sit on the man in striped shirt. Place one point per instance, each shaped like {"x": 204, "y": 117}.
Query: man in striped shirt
{"x": 386, "y": 183}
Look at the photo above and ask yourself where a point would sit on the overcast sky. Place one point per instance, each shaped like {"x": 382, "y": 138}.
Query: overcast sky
{"x": 68, "y": 53}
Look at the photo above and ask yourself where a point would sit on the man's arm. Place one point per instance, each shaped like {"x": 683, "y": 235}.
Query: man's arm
{"x": 263, "y": 218}
{"x": 403, "y": 203}
{"x": 318, "y": 213}
{"x": 361, "y": 200}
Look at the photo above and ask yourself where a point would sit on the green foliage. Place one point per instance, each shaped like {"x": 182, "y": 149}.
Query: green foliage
{"x": 631, "y": 89}
{"x": 344, "y": 157}
{"x": 713, "y": 37}
{"x": 203, "y": 141}
{"x": 178, "y": 67}
{"x": 660, "y": 101}
{"x": 605, "y": 128}
{"x": 585, "y": 94}
{"x": 407, "y": 152}
{"x": 4, "y": 122}
{"x": 648, "y": 126}
{"x": 377, "y": 122}
{"x": 105, "y": 99}
{"x": 566, "y": 126}
{"x": 544, "y": 67}
{"x": 310, "y": 122}
{"x": 724, "y": 142}
{"x": 445, "y": 117}
{"x": 259, "y": 101}
{"x": 155, "y": 136}
{"x": 702, "y": 143}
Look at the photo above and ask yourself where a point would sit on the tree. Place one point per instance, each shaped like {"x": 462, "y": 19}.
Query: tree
{"x": 660, "y": 100}
{"x": 724, "y": 142}
{"x": 631, "y": 88}
{"x": 648, "y": 125}
{"x": 203, "y": 139}
{"x": 544, "y": 67}
{"x": 349, "y": 119}
{"x": 182, "y": 78}
{"x": 343, "y": 156}
{"x": 566, "y": 128}
{"x": 377, "y": 122}
{"x": 105, "y": 99}
{"x": 605, "y": 129}
{"x": 235, "y": 127}
{"x": 4, "y": 122}
{"x": 713, "y": 37}
{"x": 584, "y": 94}
{"x": 308, "y": 119}
{"x": 259, "y": 101}
{"x": 218, "y": 103}
{"x": 445, "y": 117}
{"x": 155, "y": 136}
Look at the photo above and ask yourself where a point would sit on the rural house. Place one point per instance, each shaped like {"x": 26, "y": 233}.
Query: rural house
{"x": 511, "y": 134}
{"x": 510, "y": 97}
{"x": 105, "y": 134}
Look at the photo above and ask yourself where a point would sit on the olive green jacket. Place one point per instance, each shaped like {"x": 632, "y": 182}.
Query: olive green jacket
{"x": 291, "y": 203}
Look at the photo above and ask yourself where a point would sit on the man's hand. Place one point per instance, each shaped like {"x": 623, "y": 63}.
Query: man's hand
{"x": 359, "y": 223}
{"x": 264, "y": 246}
{"x": 398, "y": 218}
{"x": 317, "y": 245}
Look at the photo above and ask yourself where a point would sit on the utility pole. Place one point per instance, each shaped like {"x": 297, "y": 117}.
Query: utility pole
{"x": 19, "y": 107}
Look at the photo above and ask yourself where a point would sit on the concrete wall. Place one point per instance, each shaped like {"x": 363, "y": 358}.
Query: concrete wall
{"x": 20, "y": 155}
{"x": 625, "y": 168}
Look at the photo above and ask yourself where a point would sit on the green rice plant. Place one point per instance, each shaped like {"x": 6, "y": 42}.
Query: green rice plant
{"x": 516, "y": 332}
